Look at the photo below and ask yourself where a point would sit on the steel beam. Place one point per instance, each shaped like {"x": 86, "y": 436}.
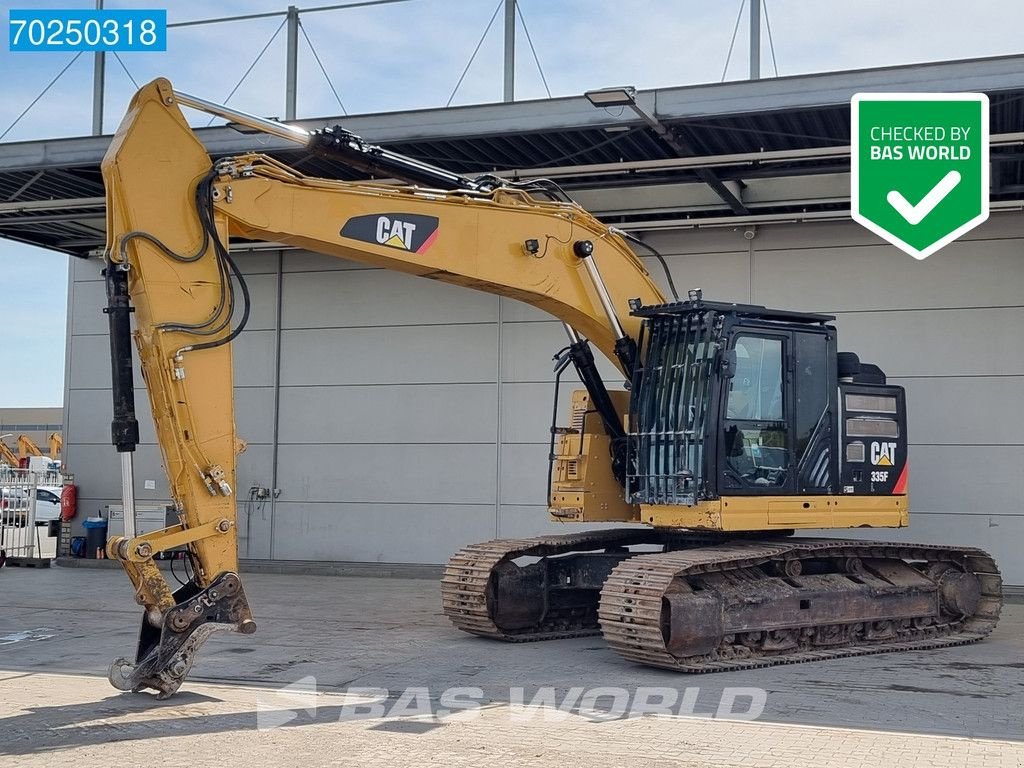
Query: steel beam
{"x": 53, "y": 205}
{"x": 509, "y": 91}
{"x": 755, "y": 39}
{"x": 32, "y": 180}
{"x": 269, "y": 14}
{"x": 996, "y": 206}
{"x": 291, "y": 64}
{"x": 696, "y": 197}
{"x": 674, "y": 139}
{"x": 99, "y": 66}
{"x": 738, "y": 159}
{"x": 6, "y": 222}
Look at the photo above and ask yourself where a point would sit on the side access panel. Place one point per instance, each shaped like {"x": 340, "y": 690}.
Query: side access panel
{"x": 583, "y": 487}
{"x": 873, "y": 429}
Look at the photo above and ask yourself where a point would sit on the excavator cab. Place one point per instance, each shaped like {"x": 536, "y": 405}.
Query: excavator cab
{"x": 739, "y": 400}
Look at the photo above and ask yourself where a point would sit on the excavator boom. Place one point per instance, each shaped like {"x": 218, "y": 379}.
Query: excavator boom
{"x": 171, "y": 212}
{"x": 8, "y": 456}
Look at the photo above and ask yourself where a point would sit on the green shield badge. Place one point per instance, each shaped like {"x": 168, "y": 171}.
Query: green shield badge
{"x": 919, "y": 167}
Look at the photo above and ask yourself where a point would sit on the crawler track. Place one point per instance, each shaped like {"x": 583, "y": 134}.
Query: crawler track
{"x": 485, "y": 594}
{"x": 468, "y": 590}
{"x": 632, "y": 603}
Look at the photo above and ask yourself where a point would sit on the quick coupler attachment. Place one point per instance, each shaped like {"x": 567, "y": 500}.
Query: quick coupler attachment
{"x": 165, "y": 653}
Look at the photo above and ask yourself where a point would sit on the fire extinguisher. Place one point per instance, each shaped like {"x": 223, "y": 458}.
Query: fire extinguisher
{"x": 68, "y": 502}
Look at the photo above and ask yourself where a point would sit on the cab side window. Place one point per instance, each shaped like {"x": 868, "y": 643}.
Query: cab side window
{"x": 756, "y": 392}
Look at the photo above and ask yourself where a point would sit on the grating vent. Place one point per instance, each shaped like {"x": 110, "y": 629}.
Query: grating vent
{"x": 866, "y": 427}
{"x": 572, "y": 470}
{"x": 579, "y": 413}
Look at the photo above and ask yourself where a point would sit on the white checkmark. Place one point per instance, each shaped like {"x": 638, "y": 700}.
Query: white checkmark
{"x": 916, "y": 213}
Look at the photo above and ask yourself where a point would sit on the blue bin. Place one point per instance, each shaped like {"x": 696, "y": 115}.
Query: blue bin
{"x": 95, "y": 536}
{"x": 78, "y": 546}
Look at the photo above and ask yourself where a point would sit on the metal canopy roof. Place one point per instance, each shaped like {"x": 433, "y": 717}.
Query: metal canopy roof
{"x": 781, "y": 144}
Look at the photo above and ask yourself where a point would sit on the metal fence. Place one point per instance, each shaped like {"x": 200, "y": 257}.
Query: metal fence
{"x": 20, "y": 537}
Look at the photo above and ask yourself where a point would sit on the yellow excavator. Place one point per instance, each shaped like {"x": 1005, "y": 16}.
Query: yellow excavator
{"x": 737, "y": 425}
{"x": 8, "y": 456}
{"x": 56, "y": 443}
{"x": 27, "y": 447}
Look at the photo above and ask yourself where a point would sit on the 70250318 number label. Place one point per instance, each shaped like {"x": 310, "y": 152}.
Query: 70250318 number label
{"x": 87, "y": 30}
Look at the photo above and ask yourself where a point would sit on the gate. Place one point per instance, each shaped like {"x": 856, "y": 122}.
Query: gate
{"x": 20, "y": 537}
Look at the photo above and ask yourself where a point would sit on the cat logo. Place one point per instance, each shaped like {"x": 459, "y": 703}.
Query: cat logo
{"x": 397, "y": 233}
{"x": 405, "y": 231}
{"x": 883, "y": 454}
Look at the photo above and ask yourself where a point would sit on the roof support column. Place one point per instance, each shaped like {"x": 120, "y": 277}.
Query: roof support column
{"x": 755, "y": 39}
{"x": 99, "y": 65}
{"x": 292, "y": 63}
{"x": 510, "y": 51}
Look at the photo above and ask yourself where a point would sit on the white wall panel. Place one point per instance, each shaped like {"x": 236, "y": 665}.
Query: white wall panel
{"x": 306, "y": 261}
{"x": 952, "y": 342}
{"x": 966, "y": 410}
{"x": 526, "y": 410}
{"x": 341, "y": 299}
{"x": 524, "y": 473}
{"x": 262, "y": 304}
{"x": 414, "y": 413}
{"x": 980, "y": 479}
{"x": 87, "y": 302}
{"x": 254, "y": 354}
{"x": 428, "y": 354}
{"x": 379, "y": 533}
{"x": 723, "y": 276}
{"x": 90, "y": 363}
{"x": 872, "y": 277}
{"x": 97, "y": 470}
{"x": 254, "y": 414}
{"x": 398, "y": 473}
{"x": 527, "y": 348}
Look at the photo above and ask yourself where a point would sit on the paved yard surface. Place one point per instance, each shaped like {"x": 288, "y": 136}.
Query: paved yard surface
{"x": 323, "y": 637}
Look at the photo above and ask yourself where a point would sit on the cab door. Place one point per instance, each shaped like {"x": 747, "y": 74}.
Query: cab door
{"x": 756, "y": 445}
{"x": 778, "y": 413}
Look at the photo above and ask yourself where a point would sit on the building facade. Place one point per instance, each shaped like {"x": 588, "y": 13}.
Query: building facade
{"x": 402, "y": 418}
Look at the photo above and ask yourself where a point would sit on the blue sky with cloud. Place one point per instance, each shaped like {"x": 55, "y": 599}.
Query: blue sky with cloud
{"x": 410, "y": 55}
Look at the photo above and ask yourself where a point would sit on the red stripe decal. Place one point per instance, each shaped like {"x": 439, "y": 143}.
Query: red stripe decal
{"x": 427, "y": 243}
{"x": 900, "y": 489}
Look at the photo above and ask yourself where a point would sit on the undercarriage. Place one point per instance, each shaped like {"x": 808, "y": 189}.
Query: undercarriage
{"x": 697, "y": 602}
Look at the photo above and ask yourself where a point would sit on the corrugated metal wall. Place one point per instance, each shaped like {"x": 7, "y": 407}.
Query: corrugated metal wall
{"x": 413, "y": 416}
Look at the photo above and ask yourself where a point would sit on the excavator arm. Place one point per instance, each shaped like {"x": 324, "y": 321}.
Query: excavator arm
{"x": 27, "y": 447}
{"x": 56, "y": 441}
{"x": 9, "y": 456}
{"x": 171, "y": 212}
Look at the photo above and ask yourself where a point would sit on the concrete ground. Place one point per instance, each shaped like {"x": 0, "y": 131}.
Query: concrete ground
{"x": 324, "y": 636}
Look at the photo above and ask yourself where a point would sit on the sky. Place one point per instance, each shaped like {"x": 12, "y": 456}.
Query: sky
{"x": 410, "y": 55}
